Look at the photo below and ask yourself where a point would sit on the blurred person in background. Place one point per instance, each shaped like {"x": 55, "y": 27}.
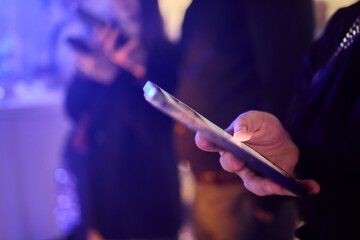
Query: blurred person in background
{"x": 121, "y": 149}
{"x": 236, "y": 56}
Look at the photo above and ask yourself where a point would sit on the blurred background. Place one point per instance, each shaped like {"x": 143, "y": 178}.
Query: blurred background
{"x": 35, "y": 65}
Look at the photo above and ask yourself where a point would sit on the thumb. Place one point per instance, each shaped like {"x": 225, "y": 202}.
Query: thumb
{"x": 246, "y": 124}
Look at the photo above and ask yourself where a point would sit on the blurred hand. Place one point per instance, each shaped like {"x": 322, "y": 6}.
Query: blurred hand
{"x": 129, "y": 56}
{"x": 96, "y": 66}
{"x": 264, "y": 133}
{"x": 104, "y": 63}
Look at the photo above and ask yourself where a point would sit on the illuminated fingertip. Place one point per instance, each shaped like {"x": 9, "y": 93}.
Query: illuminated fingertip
{"x": 241, "y": 129}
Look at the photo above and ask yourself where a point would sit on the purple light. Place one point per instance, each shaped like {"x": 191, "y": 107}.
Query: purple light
{"x": 61, "y": 175}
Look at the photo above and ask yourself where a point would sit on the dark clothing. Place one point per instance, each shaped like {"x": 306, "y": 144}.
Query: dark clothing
{"x": 130, "y": 170}
{"x": 325, "y": 125}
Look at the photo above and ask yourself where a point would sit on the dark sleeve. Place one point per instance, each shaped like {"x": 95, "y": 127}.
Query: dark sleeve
{"x": 280, "y": 35}
{"x": 80, "y": 95}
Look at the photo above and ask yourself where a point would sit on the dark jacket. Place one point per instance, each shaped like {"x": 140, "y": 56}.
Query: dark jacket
{"x": 325, "y": 124}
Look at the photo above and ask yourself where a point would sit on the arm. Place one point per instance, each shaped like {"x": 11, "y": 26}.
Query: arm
{"x": 265, "y": 134}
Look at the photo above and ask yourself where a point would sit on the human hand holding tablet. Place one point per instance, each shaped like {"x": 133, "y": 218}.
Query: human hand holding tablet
{"x": 171, "y": 106}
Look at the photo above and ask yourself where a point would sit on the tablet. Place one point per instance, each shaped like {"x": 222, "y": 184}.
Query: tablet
{"x": 179, "y": 111}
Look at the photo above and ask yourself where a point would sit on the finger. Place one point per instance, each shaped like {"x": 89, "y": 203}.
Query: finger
{"x": 138, "y": 70}
{"x": 203, "y": 143}
{"x": 121, "y": 58}
{"x": 261, "y": 186}
{"x": 101, "y": 34}
{"x": 247, "y": 124}
{"x": 122, "y": 54}
{"x": 312, "y": 186}
{"x": 253, "y": 182}
{"x": 131, "y": 45}
{"x": 230, "y": 163}
{"x": 109, "y": 42}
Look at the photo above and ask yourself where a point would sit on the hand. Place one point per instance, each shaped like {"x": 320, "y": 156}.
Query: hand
{"x": 264, "y": 133}
{"x": 130, "y": 56}
{"x": 96, "y": 67}
{"x": 106, "y": 61}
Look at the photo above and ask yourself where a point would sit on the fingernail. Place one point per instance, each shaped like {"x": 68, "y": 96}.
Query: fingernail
{"x": 241, "y": 129}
